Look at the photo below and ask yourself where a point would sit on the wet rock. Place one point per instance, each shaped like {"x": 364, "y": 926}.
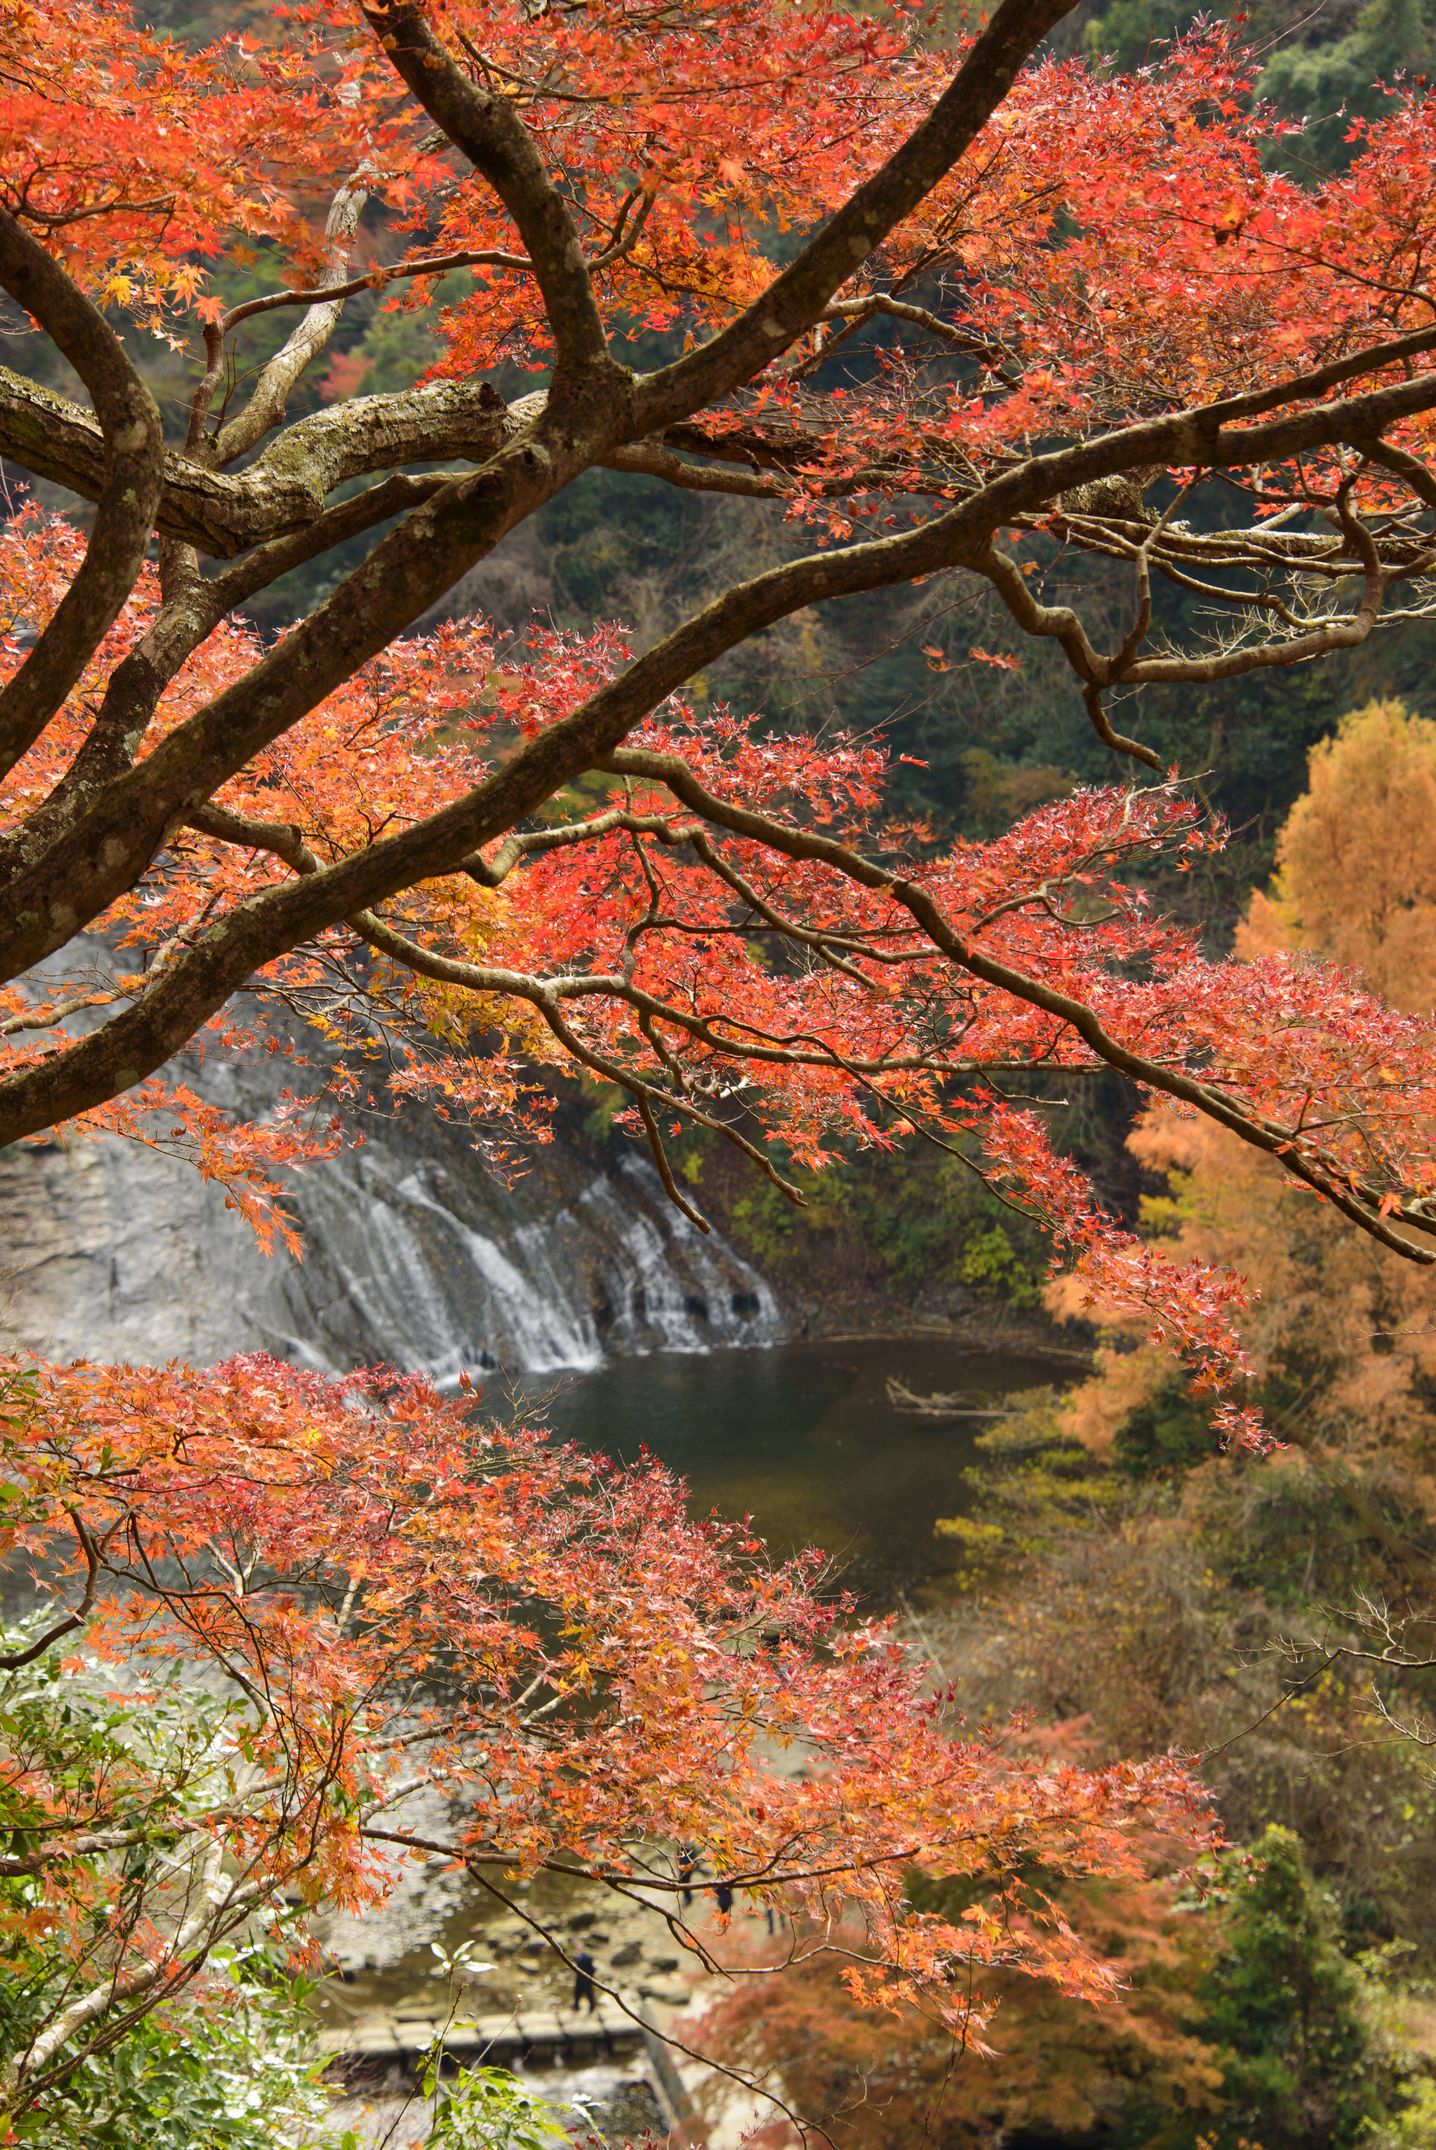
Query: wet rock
{"x": 414, "y": 1256}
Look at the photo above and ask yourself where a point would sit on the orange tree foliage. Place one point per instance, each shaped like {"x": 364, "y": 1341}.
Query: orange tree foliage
{"x": 1024, "y": 306}
{"x": 386, "y": 1598}
{"x": 1246, "y": 2027}
{"x": 1342, "y": 1336}
{"x": 1136, "y": 2071}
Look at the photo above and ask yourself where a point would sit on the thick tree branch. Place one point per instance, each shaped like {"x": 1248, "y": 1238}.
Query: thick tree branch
{"x": 404, "y": 574}
{"x": 130, "y": 476}
{"x": 285, "y": 489}
{"x": 797, "y": 299}
{"x": 133, "y": 692}
{"x": 496, "y": 142}
{"x": 126, "y": 824}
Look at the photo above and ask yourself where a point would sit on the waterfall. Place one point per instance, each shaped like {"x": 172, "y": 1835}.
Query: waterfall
{"x": 414, "y": 1256}
{"x": 430, "y": 1269}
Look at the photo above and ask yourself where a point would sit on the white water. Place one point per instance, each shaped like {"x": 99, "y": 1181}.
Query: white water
{"x": 437, "y": 1272}
{"x": 414, "y": 1256}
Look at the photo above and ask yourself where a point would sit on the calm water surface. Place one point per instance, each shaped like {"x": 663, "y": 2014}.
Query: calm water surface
{"x": 804, "y": 1437}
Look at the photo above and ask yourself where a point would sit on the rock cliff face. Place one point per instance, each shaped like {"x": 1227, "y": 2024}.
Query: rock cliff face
{"x": 414, "y": 1256}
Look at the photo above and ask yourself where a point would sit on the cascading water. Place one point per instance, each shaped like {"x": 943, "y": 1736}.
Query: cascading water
{"x": 428, "y": 1268}
{"x": 414, "y": 1256}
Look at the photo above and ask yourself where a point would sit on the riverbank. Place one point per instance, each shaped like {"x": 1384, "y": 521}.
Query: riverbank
{"x": 622, "y": 2072}
{"x": 974, "y": 1326}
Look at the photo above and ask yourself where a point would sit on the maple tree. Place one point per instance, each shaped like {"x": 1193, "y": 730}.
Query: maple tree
{"x": 379, "y": 1596}
{"x": 1137, "y": 2068}
{"x": 1243, "y": 2023}
{"x": 1025, "y": 307}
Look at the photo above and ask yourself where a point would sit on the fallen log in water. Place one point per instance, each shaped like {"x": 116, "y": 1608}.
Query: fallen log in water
{"x": 958, "y": 1403}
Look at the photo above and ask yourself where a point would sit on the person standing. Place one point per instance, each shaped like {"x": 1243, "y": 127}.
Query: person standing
{"x": 584, "y": 1989}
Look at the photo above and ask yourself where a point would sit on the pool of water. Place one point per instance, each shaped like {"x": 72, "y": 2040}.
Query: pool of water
{"x": 805, "y": 1438}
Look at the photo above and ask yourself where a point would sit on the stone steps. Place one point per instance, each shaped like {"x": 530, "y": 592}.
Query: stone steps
{"x": 533, "y": 2032}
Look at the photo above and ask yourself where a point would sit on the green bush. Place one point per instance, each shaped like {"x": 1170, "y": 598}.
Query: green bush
{"x": 1284, "y": 2008}
{"x": 235, "y": 2070}
{"x": 1168, "y": 1434}
{"x": 915, "y": 1214}
{"x": 228, "y": 2063}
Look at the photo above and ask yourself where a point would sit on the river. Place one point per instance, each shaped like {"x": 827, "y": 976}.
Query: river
{"x": 804, "y": 1437}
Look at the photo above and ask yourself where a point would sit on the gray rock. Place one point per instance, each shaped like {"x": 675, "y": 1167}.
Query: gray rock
{"x": 415, "y": 1256}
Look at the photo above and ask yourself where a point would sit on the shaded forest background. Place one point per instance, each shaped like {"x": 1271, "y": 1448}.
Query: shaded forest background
{"x": 1121, "y": 1581}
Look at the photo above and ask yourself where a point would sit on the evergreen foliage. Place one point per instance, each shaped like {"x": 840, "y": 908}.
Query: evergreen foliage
{"x": 1283, "y": 2007}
